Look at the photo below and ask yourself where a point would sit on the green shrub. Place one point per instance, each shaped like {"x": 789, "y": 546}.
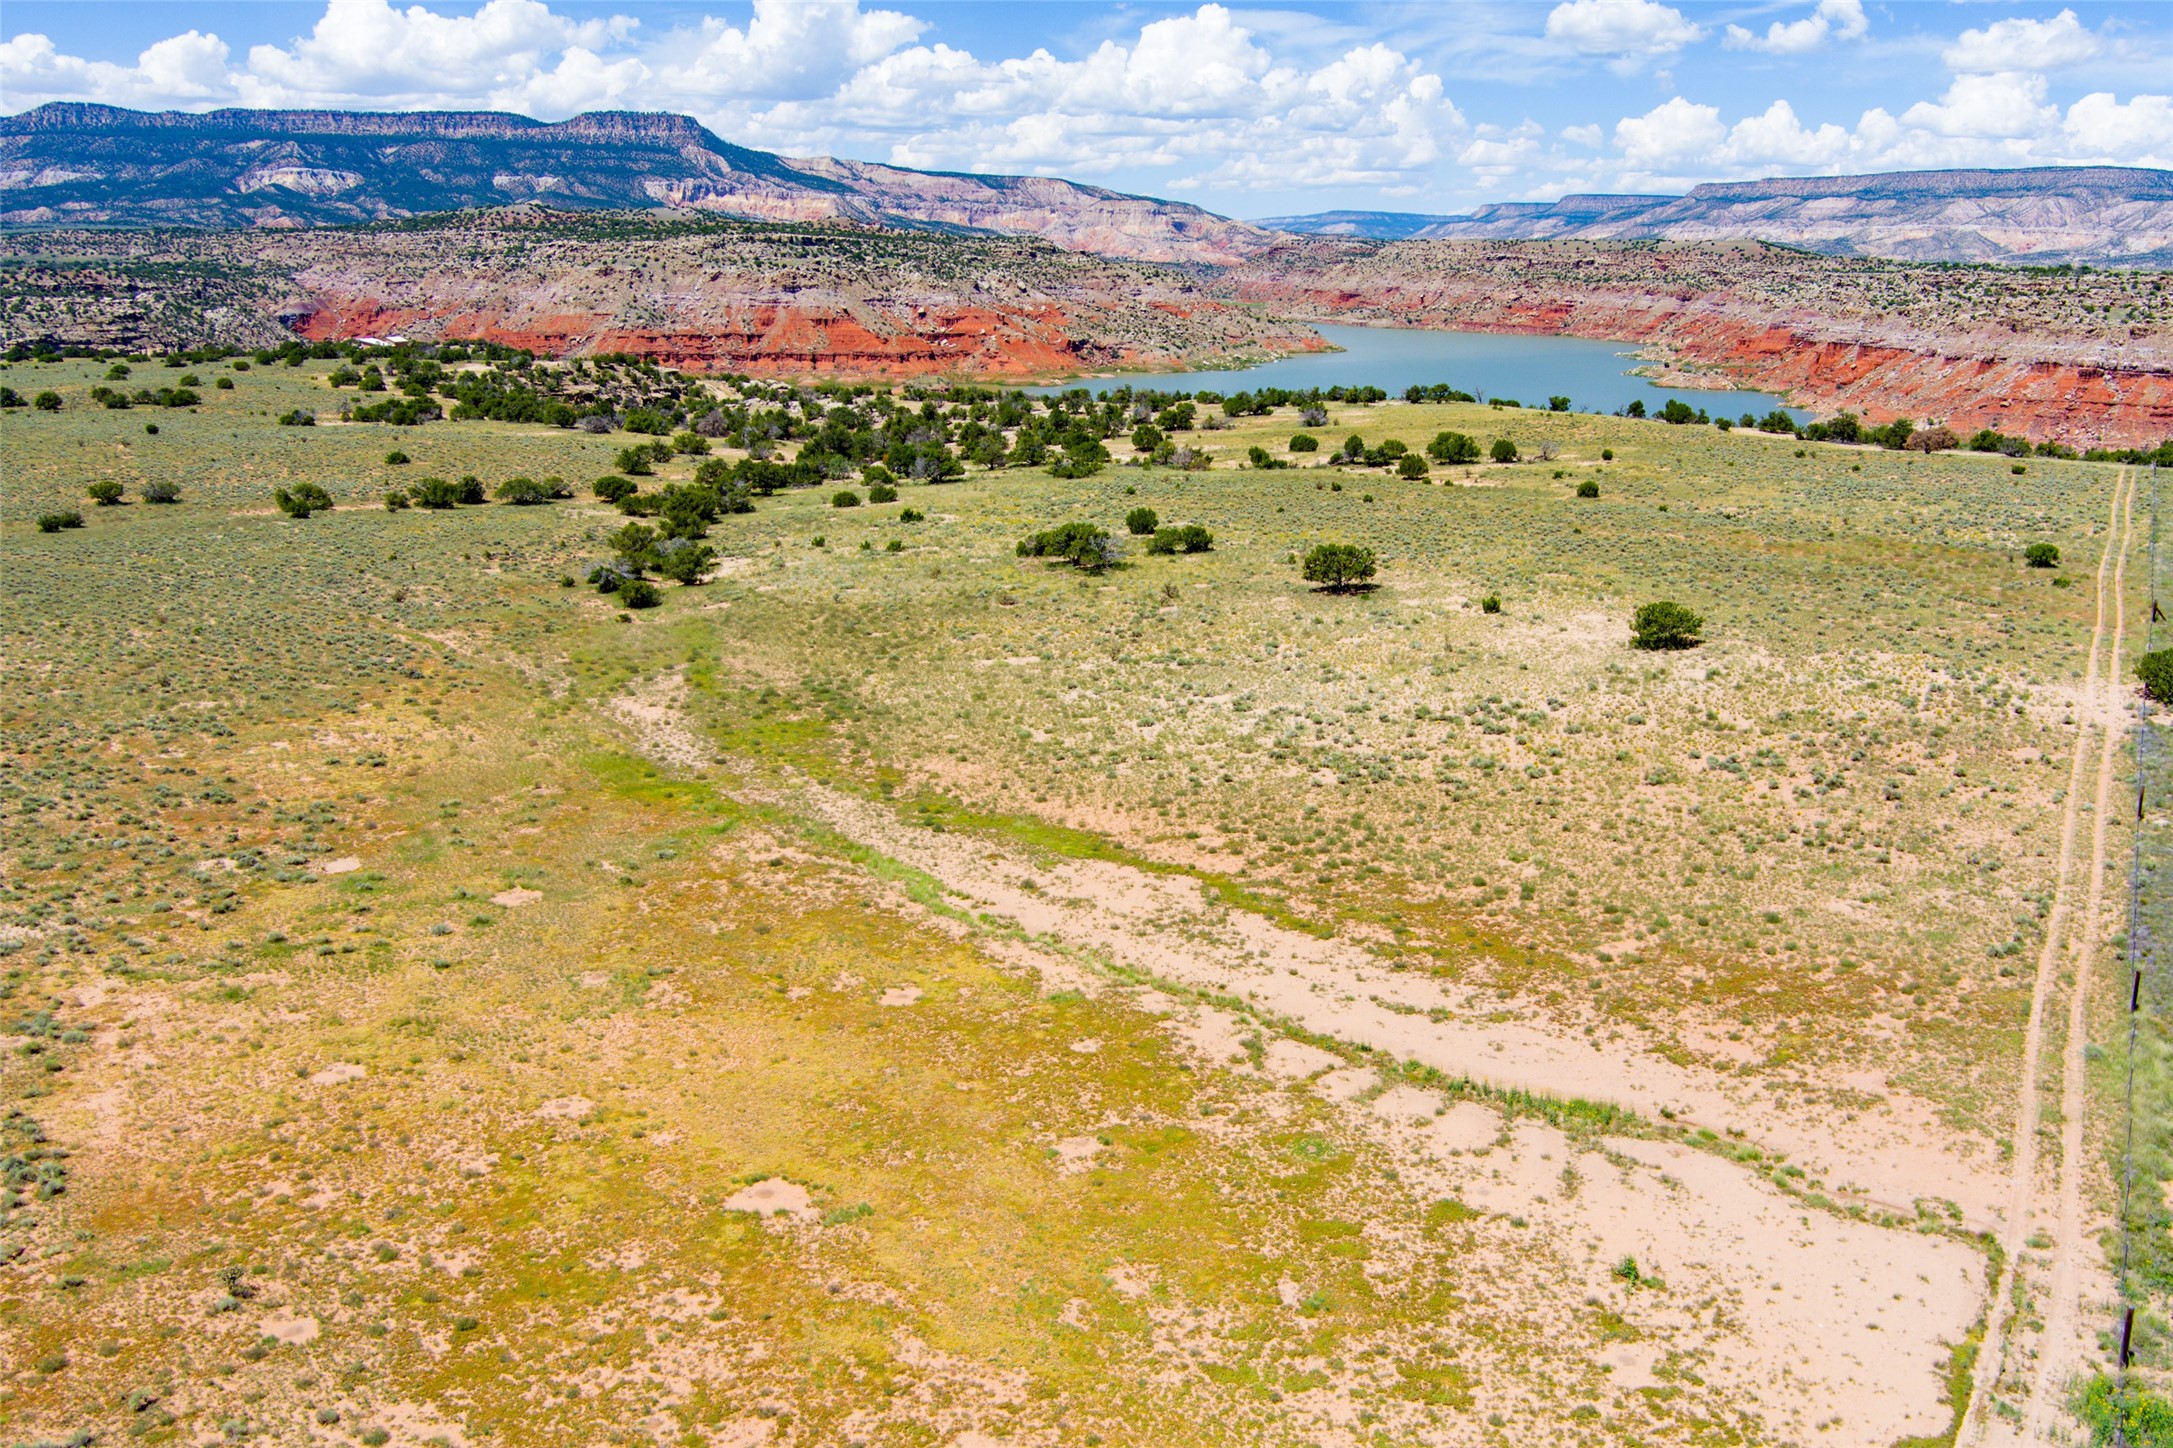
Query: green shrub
{"x": 611, "y": 488}
{"x": 106, "y": 493}
{"x": 523, "y": 492}
{"x": 396, "y": 459}
{"x": 1665, "y": 625}
{"x": 303, "y": 500}
{"x": 911, "y": 515}
{"x": 1490, "y": 604}
{"x": 683, "y": 561}
{"x": 1588, "y": 489}
{"x": 396, "y": 501}
{"x": 1339, "y": 567}
{"x": 639, "y": 593}
{"x": 47, "y": 401}
{"x": 54, "y": 522}
{"x": 434, "y": 493}
{"x": 223, "y": 384}
{"x": 1080, "y": 544}
{"x": 1305, "y": 442}
{"x": 1607, "y": 454}
{"x": 2042, "y": 555}
{"x": 844, "y": 498}
{"x": 299, "y": 417}
{"x": 1453, "y": 447}
{"x": 2156, "y": 672}
{"x": 162, "y": 491}
{"x": 2135, "y": 1415}
{"x": 882, "y": 493}
{"x": 1186, "y": 538}
{"x": 1411, "y": 465}
{"x": 1141, "y": 522}
{"x": 1503, "y": 450}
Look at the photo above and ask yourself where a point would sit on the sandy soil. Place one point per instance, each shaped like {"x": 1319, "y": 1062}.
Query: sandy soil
{"x": 1839, "y": 1327}
{"x": 1895, "y": 1152}
{"x": 2061, "y": 1347}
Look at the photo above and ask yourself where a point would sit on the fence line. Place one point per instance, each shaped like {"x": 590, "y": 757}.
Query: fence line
{"x": 2142, "y": 954}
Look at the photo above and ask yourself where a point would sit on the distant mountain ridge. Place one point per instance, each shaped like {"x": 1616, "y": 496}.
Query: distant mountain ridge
{"x": 70, "y": 164}
{"x": 2049, "y": 215}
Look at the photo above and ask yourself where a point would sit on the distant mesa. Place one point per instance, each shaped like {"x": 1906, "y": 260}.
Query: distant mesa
{"x": 2047, "y": 215}
{"x": 70, "y": 164}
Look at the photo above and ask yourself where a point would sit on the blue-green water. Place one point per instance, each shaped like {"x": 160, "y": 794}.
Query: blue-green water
{"x": 1595, "y": 376}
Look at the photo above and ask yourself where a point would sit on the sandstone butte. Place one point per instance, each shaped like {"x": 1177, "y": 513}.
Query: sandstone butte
{"x": 2028, "y": 353}
{"x": 782, "y": 339}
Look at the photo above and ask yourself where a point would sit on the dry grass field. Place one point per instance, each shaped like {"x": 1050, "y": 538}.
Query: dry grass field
{"x": 902, "y": 992}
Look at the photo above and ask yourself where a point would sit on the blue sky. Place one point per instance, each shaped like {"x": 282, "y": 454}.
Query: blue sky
{"x": 1250, "y": 110}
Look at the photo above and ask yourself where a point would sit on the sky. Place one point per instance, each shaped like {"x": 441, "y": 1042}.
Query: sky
{"x": 1251, "y": 111}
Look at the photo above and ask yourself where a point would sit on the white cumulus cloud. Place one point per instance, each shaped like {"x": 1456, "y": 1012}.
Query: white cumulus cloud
{"x": 2022, "y": 44}
{"x": 364, "y": 52}
{"x": 1832, "y": 20}
{"x": 1628, "y": 30}
{"x": 182, "y": 70}
{"x": 1668, "y": 134}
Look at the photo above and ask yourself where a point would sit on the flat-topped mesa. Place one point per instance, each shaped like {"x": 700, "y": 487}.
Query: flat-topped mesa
{"x": 73, "y": 164}
{"x": 2094, "y": 215}
{"x": 81, "y": 118}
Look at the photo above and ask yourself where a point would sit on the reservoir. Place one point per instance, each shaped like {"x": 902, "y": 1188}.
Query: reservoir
{"x": 1595, "y": 376}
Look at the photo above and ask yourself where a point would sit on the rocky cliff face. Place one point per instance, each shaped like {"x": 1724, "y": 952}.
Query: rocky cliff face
{"x": 2100, "y": 215}
{"x": 698, "y": 293}
{"x": 2083, "y": 358}
{"x": 66, "y": 164}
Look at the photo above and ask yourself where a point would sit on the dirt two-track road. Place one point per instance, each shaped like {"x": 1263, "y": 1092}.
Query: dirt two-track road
{"x": 2064, "y": 1280}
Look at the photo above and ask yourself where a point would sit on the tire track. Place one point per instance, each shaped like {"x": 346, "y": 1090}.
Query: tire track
{"x": 2057, "y": 1346}
{"x": 2015, "y": 1232}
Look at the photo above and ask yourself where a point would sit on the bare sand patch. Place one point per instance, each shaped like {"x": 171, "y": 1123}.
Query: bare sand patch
{"x": 516, "y": 897}
{"x": 1406, "y": 1105}
{"x": 344, "y": 865}
{"x": 1075, "y": 1154}
{"x": 291, "y": 1330}
{"x": 655, "y": 710}
{"x": 771, "y": 1197}
{"x": 1127, "y": 1279}
{"x": 1347, "y": 1083}
{"x": 566, "y": 1108}
{"x": 1466, "y": 1126}
{"x": 1290, "y": 1060}
{"x": 338, "y": 1073}
{"x": 900, "y": 995}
